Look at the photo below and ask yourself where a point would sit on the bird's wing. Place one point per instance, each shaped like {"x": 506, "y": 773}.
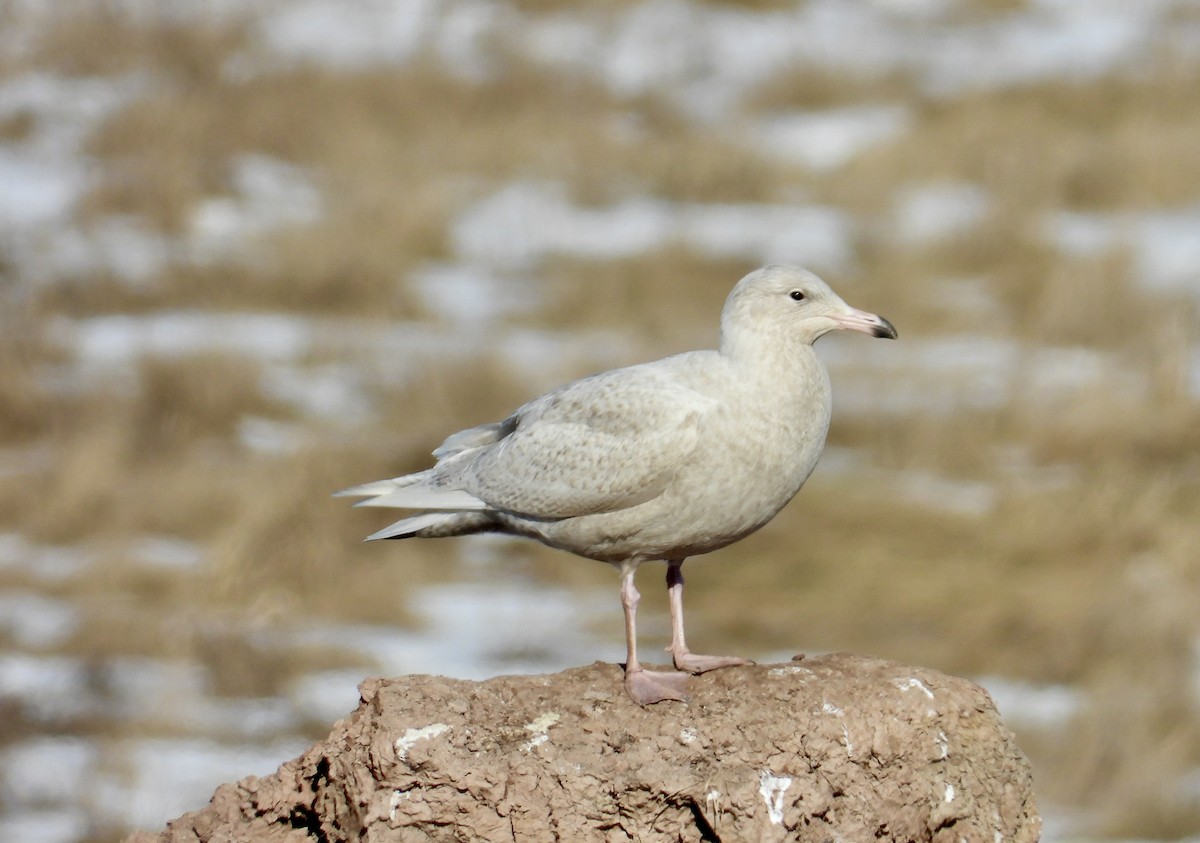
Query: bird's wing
{"x": 475, "y": 437}
{"x": 600, "y": 444}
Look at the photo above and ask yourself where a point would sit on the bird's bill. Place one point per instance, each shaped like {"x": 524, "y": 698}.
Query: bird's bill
{"x": 867, "y": 323}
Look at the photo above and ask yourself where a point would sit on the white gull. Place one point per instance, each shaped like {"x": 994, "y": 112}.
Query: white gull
{"x": 658, "y": 461}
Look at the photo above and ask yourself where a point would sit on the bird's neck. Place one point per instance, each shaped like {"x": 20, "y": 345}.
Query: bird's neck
{"x": 781, "y": 365}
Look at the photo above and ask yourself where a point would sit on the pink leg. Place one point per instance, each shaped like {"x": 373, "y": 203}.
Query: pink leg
{"x": 684, "y": 658}
{"x": 644, "y": 686}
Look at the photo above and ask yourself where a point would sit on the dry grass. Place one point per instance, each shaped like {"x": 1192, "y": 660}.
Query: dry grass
{"x": 1092, "y": 581}
{"x": 670, "y": 299}
{"x": 815, "y": 88}
{"x": 25, "y": 402}
{"x": 102, "y": 38}
{"x": 1121, "y": 143}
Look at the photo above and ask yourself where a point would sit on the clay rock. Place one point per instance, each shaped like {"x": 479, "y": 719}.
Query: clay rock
{"x": 832, "y": 748}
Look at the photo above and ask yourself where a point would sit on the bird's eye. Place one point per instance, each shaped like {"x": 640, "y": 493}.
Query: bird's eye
{"x": 797, "y": 295}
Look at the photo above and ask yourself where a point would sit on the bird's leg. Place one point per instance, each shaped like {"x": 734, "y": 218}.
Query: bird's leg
{"x": 644, "y": 686}
{"x": 684, "y": 658}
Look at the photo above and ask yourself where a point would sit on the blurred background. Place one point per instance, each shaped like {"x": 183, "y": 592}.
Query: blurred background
{"x": 252, "y": 253}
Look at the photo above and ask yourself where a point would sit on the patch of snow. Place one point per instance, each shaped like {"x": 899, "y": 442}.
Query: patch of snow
{"x": 463, "y": 35}
{"x": 51, "y": 689}
{"x": 941, "y": 373}
{"x": 167, "y": 553}
{"x": 816, "y": 236}
{"x": 929, "y": 213}
{"x": 1080, "y": 235}
{"x": 106, "y": 341}
{"x": 476, "y": 630}
{"x": 48, "y": 563}
{"x": 64, "y": 824}
{"x": 915, "y": 8}
{"x": 352, "y": 35}
{"x": 707, "y": 57}
{"x": 43, "y": 175}
{"x": 147, "y": 689}
{"x": 268, "y": 436}
{"x": 242, "y": 718}
{"x": 960, "y": 497}
{"x": 826, "y": 140}
{"x": 1065, "y": 40}
{"x": 64, "y": 109}
{"x": 1032, "y": 706}
{"x": 1167, "y": 250}
{"x": 268, "y": 194}
{"x": 525, "y": 222}
{"x": 36, "y": 193}
{"x": 117, "y": 244}
{"x": 1165, "y": 245}
{"x": 326, "y": 696}
{"x": 36, "y": 622}
{"x": 471, "y": 297}
{"x": 162, "y": 778}
{"x": 46, "y": 771}
{"x": 153, "y": 691}
{"x": 332, "y": 392}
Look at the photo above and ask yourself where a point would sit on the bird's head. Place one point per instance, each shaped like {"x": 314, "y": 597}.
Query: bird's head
{"x": 787, "y": 304}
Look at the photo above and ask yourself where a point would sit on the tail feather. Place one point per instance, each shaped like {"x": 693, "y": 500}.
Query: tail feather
{"x": 450, "y": 512}
{"x": 409, "y": 492}
{"x": 418, "y": 497}
{"x": 435, "y": 525}
{"x": 382, "y": 487}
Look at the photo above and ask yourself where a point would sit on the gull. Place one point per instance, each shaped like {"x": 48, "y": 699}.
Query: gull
{"x": 658, "y": 461}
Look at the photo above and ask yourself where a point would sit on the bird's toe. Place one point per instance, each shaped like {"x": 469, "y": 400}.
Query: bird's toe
{"x": 693, "y": 663}
{"x": 647, "y": 687}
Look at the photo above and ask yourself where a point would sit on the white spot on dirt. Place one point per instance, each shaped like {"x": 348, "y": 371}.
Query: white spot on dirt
{"x": 787, "y": 671}
{"x": 398, "y": 796}
{"x": 912, "y": 682}
{"x": 772, "y": 788}
{"x": 406, "y": 741}
{"x": 539, "y": 728}
{"x": 712, "y": 802}
{"x": 830, "y": 708}
{"x": 943, "y": 744}
{"x": 949, "y": 793}
{"x": 687, "y": 736}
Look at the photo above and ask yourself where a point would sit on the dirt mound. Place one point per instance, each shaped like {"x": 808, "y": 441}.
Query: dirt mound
{"x": 831, "y": 748}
